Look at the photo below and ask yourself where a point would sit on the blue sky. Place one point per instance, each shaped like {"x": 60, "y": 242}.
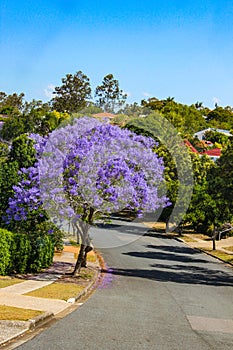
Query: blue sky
{"x": 179, "y": 48}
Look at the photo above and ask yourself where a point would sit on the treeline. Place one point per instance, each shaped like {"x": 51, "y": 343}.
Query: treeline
{"x": 211, "y": 203}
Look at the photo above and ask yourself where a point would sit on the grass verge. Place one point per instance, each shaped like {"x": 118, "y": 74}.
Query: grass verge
{"x": 11, "y": 313}
{"x": 7, "y": 281}
{"x": 57, "y": 290}
{"x": 219, "y": 254}
{"x": 187, "y": 239}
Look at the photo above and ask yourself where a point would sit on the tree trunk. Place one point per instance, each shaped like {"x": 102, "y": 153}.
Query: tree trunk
{"x": 167, "y": 226}
{"x": 87, "y": 250}
{"x": 83, "y": 226}
{"x": 80, "y": 260}
{"x": 214, "y": 235}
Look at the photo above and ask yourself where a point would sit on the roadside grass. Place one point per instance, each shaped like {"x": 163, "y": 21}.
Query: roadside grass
{"x": 187, "y": 239}
{"x": 86, "y": 275}
{"x": 230, "y": 249}
{"x": 11, "y": 313}
{"x": 219, "y": 254}
{"x": 156, "y": 225}
{"x": 57, "y": 290}
{"x": 8, "y": 281}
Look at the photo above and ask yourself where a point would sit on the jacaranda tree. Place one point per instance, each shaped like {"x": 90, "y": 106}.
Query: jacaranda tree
{"x": 87, "y": 170}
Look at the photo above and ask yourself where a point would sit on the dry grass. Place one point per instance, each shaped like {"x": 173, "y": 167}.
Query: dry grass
{"x": 11, "y": 313}
{"x": 230, "y": 249}
{"x": 155, "y": 225}
{"x": 8, "y": 281}
{"x": 56, "y": 290}
{"x": 188, "y": 239}
{"x": 219, "y": 254}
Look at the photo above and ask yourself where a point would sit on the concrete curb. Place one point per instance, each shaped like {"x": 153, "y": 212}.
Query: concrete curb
{"x": 18, "y": 328}
{"x": 25, "y": 326}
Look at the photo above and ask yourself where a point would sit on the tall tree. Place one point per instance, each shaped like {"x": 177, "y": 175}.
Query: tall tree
{"x": 109, "y": 95}
{"x": 220, "y": 185}
{"x": 11, "y": 104}
{"x": 123, "y": 172}
{"x": 73, "y": 94}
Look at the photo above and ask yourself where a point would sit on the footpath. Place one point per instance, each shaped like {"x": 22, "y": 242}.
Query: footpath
{"x": 224, "y": 245}
{"x": 14, "y": 295}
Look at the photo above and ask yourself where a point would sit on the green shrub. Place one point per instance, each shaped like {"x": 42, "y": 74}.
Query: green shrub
{"x": 42, "y": 251}
{"x": 6, "y": 248}
{"x": 22, "y": 253}
{"x": 49, "y": 228}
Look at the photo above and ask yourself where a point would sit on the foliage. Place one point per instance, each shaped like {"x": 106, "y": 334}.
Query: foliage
{"x": 8, "y": 178}
{"x": 11, "y": 104}
{"x": 4, "y": 151}
{"x": 134, "y": 110}
{"x": 186, "y": 119}
{"x": 6, "y": 242}
{"x": 22, "y": 151}
{"x": 123, "y": 172}
{"x": 110, "y": 96}
{"x": 21, "y": 253}
{"x": 220, "y": 185}
{"x": 73, "y": 94}
{"x": 178, "y": 166}
{"x": 202, "y": 209}
{"x": 42, "y": 251}
{"x": 13, "y": 126}
{"x": 221, "y": 117}
{"x": 90, "y": 109}
{"x": 216, "y": 137}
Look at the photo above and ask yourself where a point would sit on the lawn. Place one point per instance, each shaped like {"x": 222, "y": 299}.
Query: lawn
{"x": 8, "y": 281}
{"x": 11, "y": 313}
{"x": 57, "y": 290}
{"x": 219, "y": 254}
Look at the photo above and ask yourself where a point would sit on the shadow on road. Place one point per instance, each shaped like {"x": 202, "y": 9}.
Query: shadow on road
{"x": 176, "y": 264}
{"x": 191, "y": 276}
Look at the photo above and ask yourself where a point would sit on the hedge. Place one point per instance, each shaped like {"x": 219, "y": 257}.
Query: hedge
{"x": 21, "y": 253}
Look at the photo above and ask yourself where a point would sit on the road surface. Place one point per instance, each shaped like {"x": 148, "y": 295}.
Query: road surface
{"x": 157, "y": 294}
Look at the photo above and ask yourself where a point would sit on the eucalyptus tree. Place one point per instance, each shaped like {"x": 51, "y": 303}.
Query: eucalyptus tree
{"x": 109, "y": 95}
{"x": 74, "y": 93}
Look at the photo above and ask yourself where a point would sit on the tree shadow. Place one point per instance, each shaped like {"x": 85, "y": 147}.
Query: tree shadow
{"x": 165, "y": 256}
{"x": 177, "y": 264}
{"x": 175, "y": 249}
{"x": 192, "y": 275}
{"x": 123, "y": 228}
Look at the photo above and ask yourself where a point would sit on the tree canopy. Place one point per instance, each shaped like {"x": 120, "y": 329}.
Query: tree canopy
{"x": 123, "y": 172}
{"x": 109, "y": 95}
{"x": 73, "y": 94}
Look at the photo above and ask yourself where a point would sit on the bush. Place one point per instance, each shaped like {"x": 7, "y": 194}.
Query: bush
{"x": 41, "y": 254}
{"x": 22, "y": 253}
{"x": 6, "y": 248}
{"x": 48, "y": 228}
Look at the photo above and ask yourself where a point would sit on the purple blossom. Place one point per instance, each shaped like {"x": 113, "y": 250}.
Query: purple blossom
{"x": 90, "y": 165}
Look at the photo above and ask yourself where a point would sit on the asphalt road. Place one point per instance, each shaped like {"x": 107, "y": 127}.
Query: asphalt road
{"x": 157, "y": 294}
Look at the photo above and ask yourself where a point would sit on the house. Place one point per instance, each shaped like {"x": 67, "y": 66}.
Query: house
{"x": 213, "y": 153}
{"x": 191, "y": 147}
{"x": 201, "y": 134}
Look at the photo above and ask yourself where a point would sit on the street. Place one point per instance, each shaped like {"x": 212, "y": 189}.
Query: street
{"x": 157, "y": 293}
